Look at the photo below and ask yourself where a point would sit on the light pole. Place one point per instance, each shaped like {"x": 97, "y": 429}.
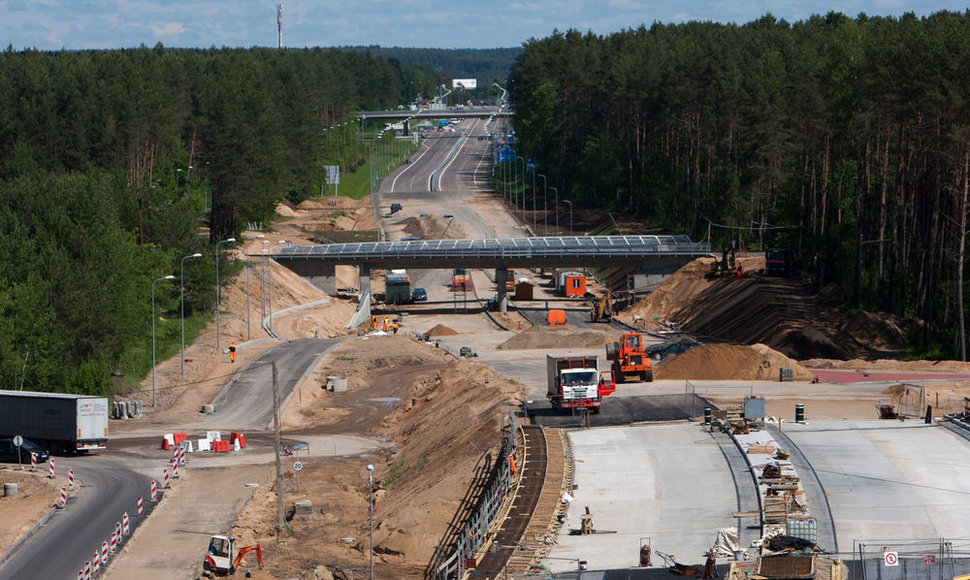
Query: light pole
{"x": 533, "y": 198}
{"x": 182, "y": 306}
{"x": 370, "y": 481}
{"x": 219, "y": 288}
{"x": 570, "y": 215}
{"x": 557, "y": 209}
{"x": 169, "y": 277}
{"x": 545, "y": 206}
{"x": 516, "y": 181}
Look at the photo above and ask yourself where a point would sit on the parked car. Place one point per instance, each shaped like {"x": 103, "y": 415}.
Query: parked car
{"x": 395, "y": 207}
{"x": 447, "y": 215}
{"x": 8, "y": 451}
{"x": 668, "y": 350}
{"x": 419, "y": 294}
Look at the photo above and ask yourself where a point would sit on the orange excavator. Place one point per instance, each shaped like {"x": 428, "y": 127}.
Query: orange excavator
{"x": 223, "y": 559}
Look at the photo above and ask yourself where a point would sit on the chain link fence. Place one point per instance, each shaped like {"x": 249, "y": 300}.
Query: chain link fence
{"x": 930, "y": 559}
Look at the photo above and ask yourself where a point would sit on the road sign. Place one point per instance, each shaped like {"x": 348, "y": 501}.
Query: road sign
{"x": 929, "y": 559}
{"x": 297, "y": 465}
{"x": 333, "y": 174}
{"x": 18, "y": 440}
{"x": 890, "y": 558}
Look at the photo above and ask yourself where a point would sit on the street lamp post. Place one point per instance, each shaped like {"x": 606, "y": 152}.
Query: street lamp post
{"x": 370, "y": 481}
{"x": 570, "y": 215}
{"x": 545, "y": 206}
{"x": 219, "y": 288}
{"x": 516, "y": 181}
{"x": 169, "y": 277}
{"x": 557, "y": 209}
{"x": 533, "y": 199}
{"x": 182, "y": 307}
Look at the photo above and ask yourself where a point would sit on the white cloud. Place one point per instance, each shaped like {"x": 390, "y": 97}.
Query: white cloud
{"x": 163, "y": 29}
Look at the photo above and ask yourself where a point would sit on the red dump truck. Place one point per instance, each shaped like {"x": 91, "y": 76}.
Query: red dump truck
{"x": 574, "y": 382}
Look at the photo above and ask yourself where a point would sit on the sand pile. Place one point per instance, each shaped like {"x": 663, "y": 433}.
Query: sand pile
{"x": 557, "y": 337}
{"x": 730, "y": 362}
{"x": 441, "y": 330}
{"x": 433, "y": 227}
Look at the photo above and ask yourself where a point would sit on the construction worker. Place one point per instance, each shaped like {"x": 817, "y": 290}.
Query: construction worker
{"x": 740, "y": 269}
{"x": 373, "y": 322}
{"x": 232, "y": 352}
{"x": 387, "y": 323}
{"x": 394, "y": 328}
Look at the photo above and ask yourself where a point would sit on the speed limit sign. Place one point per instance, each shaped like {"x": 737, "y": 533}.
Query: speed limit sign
{"x": 891, "y": 558}
{"x": 297, "y": 465}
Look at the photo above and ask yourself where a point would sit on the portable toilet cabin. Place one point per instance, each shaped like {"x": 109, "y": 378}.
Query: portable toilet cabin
{"x": 523, "y": 290}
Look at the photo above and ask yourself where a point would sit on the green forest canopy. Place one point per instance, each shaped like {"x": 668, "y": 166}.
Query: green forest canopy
{"x": 845, "y": 139}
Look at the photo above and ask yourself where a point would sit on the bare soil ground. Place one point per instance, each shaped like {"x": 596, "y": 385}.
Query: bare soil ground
{"x": 435, "y": 416}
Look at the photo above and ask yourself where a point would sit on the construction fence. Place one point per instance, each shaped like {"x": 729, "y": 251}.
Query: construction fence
{"x": 480, "y": 509}
{"x": 930, "y": 559}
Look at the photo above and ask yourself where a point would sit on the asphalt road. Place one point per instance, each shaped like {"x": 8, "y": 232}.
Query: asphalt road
{"x": 69, "y": 537}
{"x": 246, "y": 403}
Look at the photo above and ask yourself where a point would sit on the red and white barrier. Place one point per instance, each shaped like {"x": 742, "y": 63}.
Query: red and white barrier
{"x": 70, "y": 479}
{"x": 80, "y": 575}
{"x": 165, "y": 484}
{"x": 141, "y": 506}
{"x": 104, "y": 552}
{"x": 62, "y": 498}
{"x": 50, "y": 463}
{"x": 175, "y": 470}
{"x": 113, "y": 547}
{"x": 33, "y": 461}
{"x": 87, "y": 570}
{"x": 96, "y": 563}
{"x": 124, "y": 524}
{"x": 154, "y": 495}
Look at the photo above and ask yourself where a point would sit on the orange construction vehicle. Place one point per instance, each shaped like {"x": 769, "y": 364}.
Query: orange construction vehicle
{"x": 629, "y": 359}
{"x": 219, "y": 559}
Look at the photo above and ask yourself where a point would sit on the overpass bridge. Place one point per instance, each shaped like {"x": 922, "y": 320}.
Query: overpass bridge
{"x": 466, "y": 113}
{"x": 661, "y": 255}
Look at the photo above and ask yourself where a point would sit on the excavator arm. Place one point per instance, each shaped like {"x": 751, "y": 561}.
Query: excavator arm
{"x": 245, "y": 550}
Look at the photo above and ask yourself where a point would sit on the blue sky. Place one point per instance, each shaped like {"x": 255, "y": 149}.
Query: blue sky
{"x": 99, "y": 24}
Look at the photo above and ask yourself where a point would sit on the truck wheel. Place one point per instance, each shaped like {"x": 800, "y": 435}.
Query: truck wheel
{"x": 618, "y": 374}
{"x": 648, "y": 376}
{"x": 595, "y": 411}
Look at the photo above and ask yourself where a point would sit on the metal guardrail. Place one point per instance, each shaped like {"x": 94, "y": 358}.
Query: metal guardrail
{"x": 550, "y": 246}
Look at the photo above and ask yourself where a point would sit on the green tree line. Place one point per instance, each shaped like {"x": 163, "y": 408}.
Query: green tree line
{"x": 847, "y": 139}
{"x": 115, "y": 165}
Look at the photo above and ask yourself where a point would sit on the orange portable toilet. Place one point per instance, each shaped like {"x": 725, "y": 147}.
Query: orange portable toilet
{"x": 556, "y": 318}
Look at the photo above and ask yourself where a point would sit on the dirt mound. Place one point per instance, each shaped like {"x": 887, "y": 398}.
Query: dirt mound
{"x": 433, "y": 227}
{"x": 673, "y": 294}
{"x": 441, "y": 330}
{"x": 286, "y": 210}
{"x": 557, "y": 337}
{"x": 730, "y": 362}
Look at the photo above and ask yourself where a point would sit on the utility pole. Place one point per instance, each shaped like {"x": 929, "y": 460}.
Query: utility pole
{"x": 281, "y": 521}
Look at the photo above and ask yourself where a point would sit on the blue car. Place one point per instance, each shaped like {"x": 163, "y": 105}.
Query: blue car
{"x": 419, "y": 295}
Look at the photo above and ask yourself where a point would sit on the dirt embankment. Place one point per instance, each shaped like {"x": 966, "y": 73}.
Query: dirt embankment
{"x": 784, "y": 313}
{"x": 419, "y": 479}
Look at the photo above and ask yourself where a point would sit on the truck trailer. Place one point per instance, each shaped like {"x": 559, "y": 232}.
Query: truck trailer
{"x": 574, "y": 383}
{"x": 60, "y": 422}
{"x": 397, "y": 287}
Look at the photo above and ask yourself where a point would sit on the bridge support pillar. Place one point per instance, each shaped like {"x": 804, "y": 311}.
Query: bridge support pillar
{"x": 501, "y": 275}
{"x": 325, "y": 278}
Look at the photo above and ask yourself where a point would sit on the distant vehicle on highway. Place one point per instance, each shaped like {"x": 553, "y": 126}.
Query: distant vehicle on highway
{"x": 8, "y": 451}
{"x": 447, "y": 215}
{"x": 419, "y": 294}
{"x": 668, "y": 350}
